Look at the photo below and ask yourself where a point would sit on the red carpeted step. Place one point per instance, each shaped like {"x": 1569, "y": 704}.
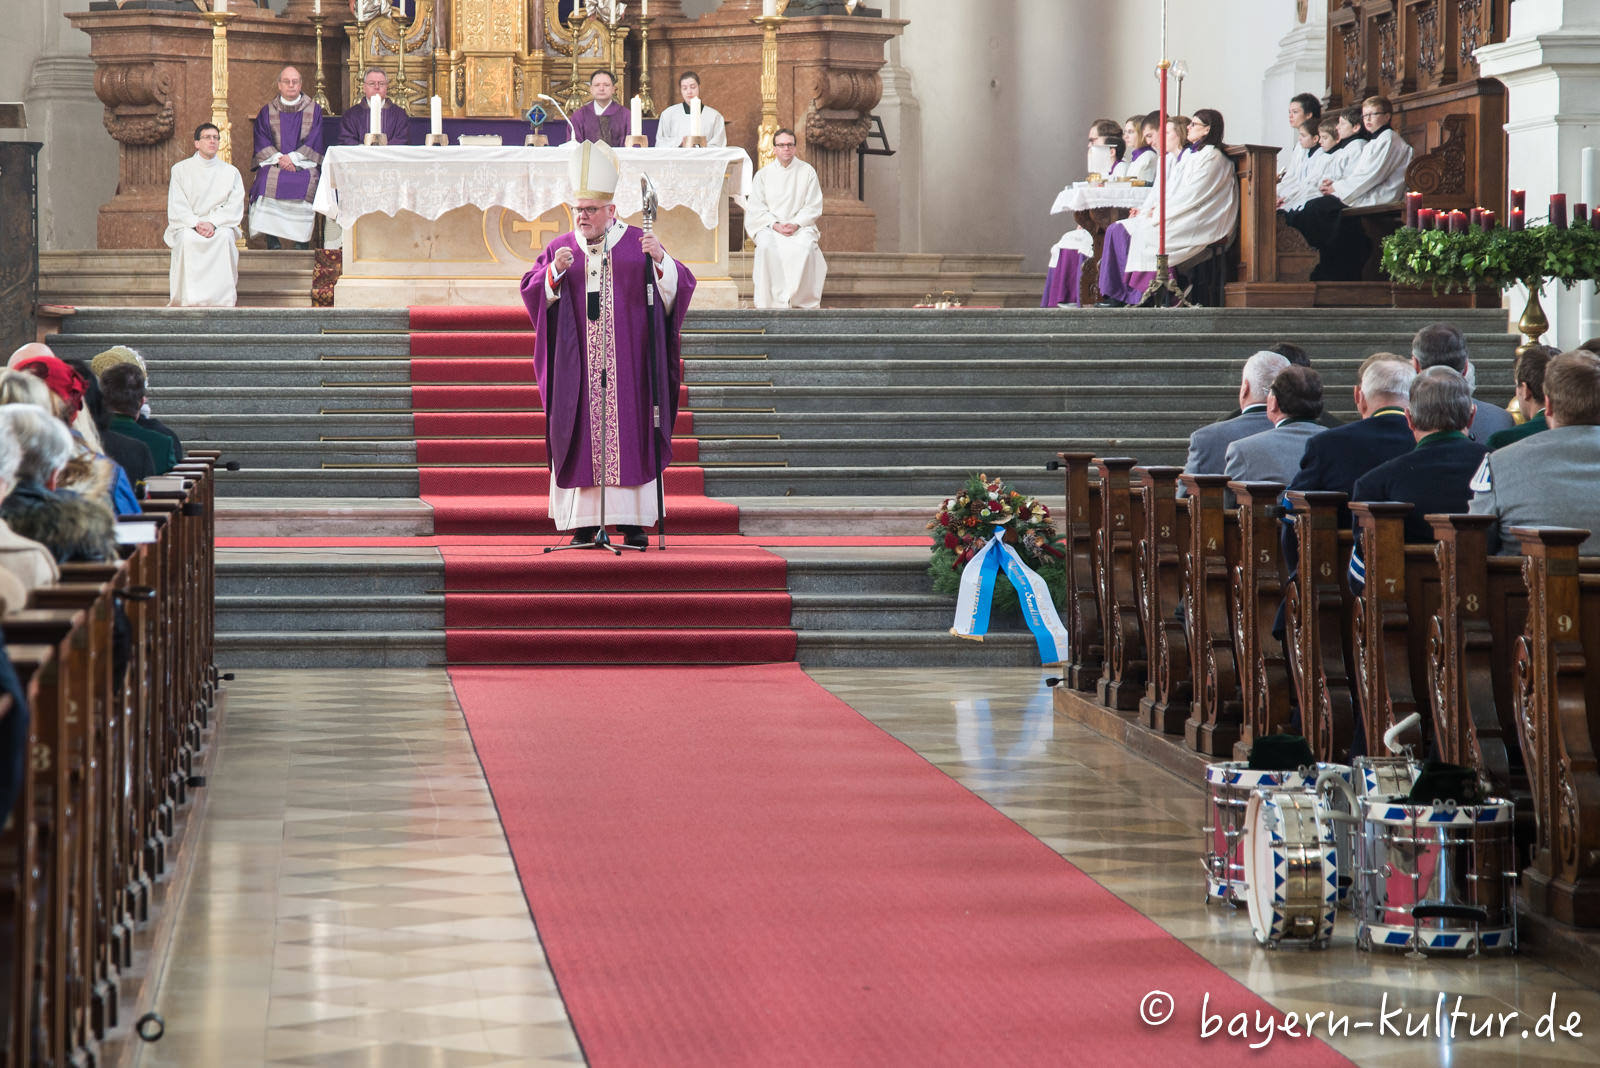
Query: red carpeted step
{"x": 527, "y": 481}
{"x": 529, "y": 570}
{"x": 469, "y": 370}
{"x": 474, "y": 397}
{"x": 515, "y": 450}
{"x": 654, "y": 609}
{"x": 500, "y": 514}
{"x": 433, "y": 317}
{"x": 479, "y": 343}
{"x": 501, "y": 424}
{"x": 675, "y": 646}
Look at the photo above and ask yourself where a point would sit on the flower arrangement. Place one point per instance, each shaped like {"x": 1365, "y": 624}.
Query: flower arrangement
{"x": 965, "y": 522}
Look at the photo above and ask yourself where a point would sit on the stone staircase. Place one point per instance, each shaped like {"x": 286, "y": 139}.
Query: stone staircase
{"x": 832, "y": 422}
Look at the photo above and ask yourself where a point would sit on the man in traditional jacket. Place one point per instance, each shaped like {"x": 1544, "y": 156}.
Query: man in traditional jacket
{"x": 396, "y": 123}
{"x": 607, "y": 358}
{"x": 603, "y": 119}
{"x": 781, "y": 218}
{"x": 205, "y": 205}
{"x": 288, "y": 151}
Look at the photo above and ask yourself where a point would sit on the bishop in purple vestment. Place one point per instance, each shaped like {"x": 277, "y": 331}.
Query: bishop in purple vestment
{"x": 607, "y": 359}
{"x": 604, "y": 119}
{"x": 396, "y": 123}
{"x": 288, "y": 151}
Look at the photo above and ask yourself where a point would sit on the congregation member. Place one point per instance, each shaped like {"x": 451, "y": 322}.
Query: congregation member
{"x": 1548, "y": 480}
{"x": 1208, "y": 446}
{"x": 130, "y": 454}
{"x": 595, "y": 328}
{"x": 123, "y": 354}
{"x": 1139, "y": 137}
{"x": 75, "y": 528}
{"x": 1335, "y": 459}
{"x": 1443, "y": 345}
{"x": 1294, "y": 404}
{"x": 288, "y": 151}
{"x": 393, "y": 120}
{"x": 1529, "y": 373}
{"x": 1202, "y": 208}
{"x": 90, "y": 472}
{"x": 676, "y": 124}
{"x": 205, "y": 208}
{"x": 26, "y": 561}
{"x": 1433, "y": 476}
{"x": 123, "y": 387}
{"x": 781, "y": 216}
{"x": 602, "y": 119}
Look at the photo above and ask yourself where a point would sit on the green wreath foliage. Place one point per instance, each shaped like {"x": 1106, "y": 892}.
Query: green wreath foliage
{"x": 1500, "y": 257}
{"x": 965, "y": 522}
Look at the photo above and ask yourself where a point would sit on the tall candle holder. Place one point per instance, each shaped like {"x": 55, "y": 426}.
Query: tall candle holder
{"x": 616, "y": 32}
{"x": 575, "y": 94}
{"x": 219, "y": 78}
{"x": 646, "y": 103}
{"x": 320, "y": 96}
{"x": 401, "y": 93}
{"x": 769, "y": 86}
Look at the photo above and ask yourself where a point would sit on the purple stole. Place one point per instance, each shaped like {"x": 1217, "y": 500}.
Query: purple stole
{"x": 286, "y": 131}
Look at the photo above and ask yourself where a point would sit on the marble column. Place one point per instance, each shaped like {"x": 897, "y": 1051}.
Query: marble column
{"x": 1301, "y": 67}
{"x": 1550, "y": 64}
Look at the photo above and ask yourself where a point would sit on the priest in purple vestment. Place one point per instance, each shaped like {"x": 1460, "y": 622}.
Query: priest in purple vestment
{"x": 603, "y": 119}
{"x": 288, "y": 151}
{"x": 396, "y": 123}
{"x": 606, "y": 359}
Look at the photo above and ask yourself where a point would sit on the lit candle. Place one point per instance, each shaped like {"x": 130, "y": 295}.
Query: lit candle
{"x": 636, "y": 110}
{"x": 1518, "y": 221}
{"x": 577, "y": 10}
{"x": 644, "y": 9}
{"x": 1475, "y": 217}
{"x": 375, "y": 114}
{"x": 1558, "y": 210}
{"x": 1580, "y": 213}
{"x": 1519, "y": 199}
{"x": 316, "y": 7}
{"x": 694, "y": 118}
{"x": 1594, "y": 218}
{"x": 436, "y": 114}
{"x": 1458, "y": 222}
{"x": 1425, "y": 218}
{"x": 1413, "y": 202}
{"x": 1488, "y": 219}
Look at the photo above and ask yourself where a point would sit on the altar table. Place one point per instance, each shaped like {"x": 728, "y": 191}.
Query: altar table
{"x": 463, "y": 224}
{"x": 1094, "y": 208}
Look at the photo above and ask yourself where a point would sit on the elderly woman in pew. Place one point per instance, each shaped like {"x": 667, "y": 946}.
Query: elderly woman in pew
{"x": 1432, "y": 477}
{"x": 76, "y": 529}
{"x": 1548, "y": 480}
{"x": 91, "y": 473}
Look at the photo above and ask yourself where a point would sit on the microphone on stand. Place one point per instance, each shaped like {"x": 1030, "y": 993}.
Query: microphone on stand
{"x": 572, "y": 131}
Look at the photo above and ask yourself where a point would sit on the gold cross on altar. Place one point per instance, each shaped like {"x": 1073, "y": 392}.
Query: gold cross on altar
{"x": 535, "y": 231}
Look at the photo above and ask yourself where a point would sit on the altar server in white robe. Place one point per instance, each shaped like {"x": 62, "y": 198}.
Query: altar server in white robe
{"x": 781, "y": 217}
{"x": 676, "y": 125}
{"x": 205, "y": 206}
{"x": 1299, "y": 181}
{"x": 1202, "y": 205}
{"x": 1377, "y": 175}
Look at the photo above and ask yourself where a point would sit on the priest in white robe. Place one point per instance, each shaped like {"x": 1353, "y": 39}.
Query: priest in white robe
{"x": 678, "y": 123}
{"x": 205, "y": 207}
{"x": 781, "y": 217}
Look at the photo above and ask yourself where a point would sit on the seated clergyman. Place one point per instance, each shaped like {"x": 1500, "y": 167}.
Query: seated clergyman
{"x": 205, "y": 207}
{"x": 781, "y": 217}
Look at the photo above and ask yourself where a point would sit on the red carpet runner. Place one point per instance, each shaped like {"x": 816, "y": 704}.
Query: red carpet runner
{"x": 729, "y": 866}
{"x": 480, "y": 431}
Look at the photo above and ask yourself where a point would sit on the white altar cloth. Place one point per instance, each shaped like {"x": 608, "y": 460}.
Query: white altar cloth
{"x": 359, "y": 180}
{"x": 1082, "y": 196}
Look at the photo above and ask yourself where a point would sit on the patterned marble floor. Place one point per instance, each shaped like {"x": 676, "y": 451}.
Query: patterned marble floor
{"x": 354, "y": 902}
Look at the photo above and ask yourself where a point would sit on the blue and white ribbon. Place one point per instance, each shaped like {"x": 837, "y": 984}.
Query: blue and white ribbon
{"x": 975, "y": 599}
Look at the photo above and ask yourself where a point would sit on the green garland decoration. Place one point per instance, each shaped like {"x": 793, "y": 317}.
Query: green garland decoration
{"x": 1501, "y": 258}
{"x": 963, "y": 524}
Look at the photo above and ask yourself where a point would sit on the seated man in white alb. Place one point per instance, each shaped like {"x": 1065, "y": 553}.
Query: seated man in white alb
{"x": 677, "y": 122}
{"x": 205, "y": 205}
{"x": 781, "y": 216}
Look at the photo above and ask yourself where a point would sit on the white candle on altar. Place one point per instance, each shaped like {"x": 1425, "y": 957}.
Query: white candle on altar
{"x": 375, "y": 114}
{"x": 644, "y": 10}
{"x": 436, "y": 114}
{"x": 577, "y": 10}
{"x": 220, "y": 6}
{"x": 636, "y": 107}
{"x": 316, "y": 7}
{"x": 694, "y": 118}
{"x": 769, "y": 8}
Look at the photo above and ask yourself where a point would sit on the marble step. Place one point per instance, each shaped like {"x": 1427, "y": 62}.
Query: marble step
{"x": 139, "y": 278}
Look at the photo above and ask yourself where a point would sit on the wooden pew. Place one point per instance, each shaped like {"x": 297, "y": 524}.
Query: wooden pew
{"x": 1209, "y": 607}
{"x": 1080, "y": 532}
{"x": 1317, "y": 619}
{"x": 1392, "y": 623}
{"x": 1161, "y": 548}
{"x": 1121, "y": 683}
{"x": 1259, "y": 578}
{"x": 1557, "y": 692}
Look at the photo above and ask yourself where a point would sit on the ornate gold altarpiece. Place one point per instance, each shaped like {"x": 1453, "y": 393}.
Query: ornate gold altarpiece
{"x": 487, "y": 59}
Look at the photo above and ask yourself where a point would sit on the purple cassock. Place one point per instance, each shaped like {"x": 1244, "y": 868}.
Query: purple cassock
{"x": 284, "y": 129}
{"x": 1116, "y": 281}
{"x": 610, "y": 126}
{"x": 1063, "y": 284}
{"x": 396, "y": 124}
{"x": 563, "y": 366}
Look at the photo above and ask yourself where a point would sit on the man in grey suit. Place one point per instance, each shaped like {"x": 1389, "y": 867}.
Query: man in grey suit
{"x": 1208, "y": 446}
{"x": 1442, "y": 345}
{"x": 1294, "y": 403}
{"x": 1548, "y": 480}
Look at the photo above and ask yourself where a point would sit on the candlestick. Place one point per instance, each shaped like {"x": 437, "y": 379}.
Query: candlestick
{"x": 644, "y": 63}
{"x": 402, "y": 94}
{"x": 1519, "y": 199}
{"x": 575, "y": 96}
{"x": 1518, "y": 220}
{"x": 768, "y": 130}
{"x": 320, "y": 95}
{"x": 218, "y": 18}
{"x": 1558, "y": 210}
{"x": 1413, "y": 202}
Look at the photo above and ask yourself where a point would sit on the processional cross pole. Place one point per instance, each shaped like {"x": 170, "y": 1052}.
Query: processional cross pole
{"x": 1164, "y": 291}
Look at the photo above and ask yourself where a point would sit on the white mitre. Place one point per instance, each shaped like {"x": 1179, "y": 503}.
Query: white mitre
{"x": 593, "y": 171}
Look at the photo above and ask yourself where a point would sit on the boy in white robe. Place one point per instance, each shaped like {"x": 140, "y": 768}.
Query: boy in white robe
{"x": 205, "y": 206}
{"x": 781, "y": 216}
{"x": 677, "y": 122}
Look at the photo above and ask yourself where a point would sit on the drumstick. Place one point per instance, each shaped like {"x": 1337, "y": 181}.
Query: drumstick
{"x": 1391, "y": 737}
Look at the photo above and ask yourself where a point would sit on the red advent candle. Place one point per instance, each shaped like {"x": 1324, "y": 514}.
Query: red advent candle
{"x": 1458, "y": 222}
{"x": 1517, "y": 220}
{"x": 1519, "y": 200}
{"x": 1594, "y": 218}
{"x": 1425, "y": 218}
{"x": 1413, "y": 205}
{"x": 1488, "y": 220}
{"x": 1558, "y": 210}
{"x": 1580, "y": 211}
{"x": 1475, "y": 217}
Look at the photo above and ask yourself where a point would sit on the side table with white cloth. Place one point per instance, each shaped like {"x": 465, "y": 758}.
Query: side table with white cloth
{"x": 1094, "y": 207}
{"x": 462, "y": 225}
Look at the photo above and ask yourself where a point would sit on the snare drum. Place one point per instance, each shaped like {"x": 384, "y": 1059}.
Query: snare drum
{"x": 1384, "y": 776}
{"x": 1291, "y": 868}
{"x": 1437, "y": 879}
{"x": 1229, "y": 787}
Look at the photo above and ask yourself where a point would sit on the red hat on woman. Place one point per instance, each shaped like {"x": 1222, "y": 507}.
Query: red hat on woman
{"x": 64, "y": 382}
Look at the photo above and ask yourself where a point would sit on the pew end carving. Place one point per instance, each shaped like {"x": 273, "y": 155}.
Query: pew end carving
{"x": 1080, "y": 530}
{"x": 1161, "y": 548}
{"x": 1216, "y": 709}
{"x": 1259, "y": 581}
{"x": 1122, "y": 679}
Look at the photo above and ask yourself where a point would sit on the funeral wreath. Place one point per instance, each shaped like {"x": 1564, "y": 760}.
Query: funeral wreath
{"x": 965, "y": 522}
